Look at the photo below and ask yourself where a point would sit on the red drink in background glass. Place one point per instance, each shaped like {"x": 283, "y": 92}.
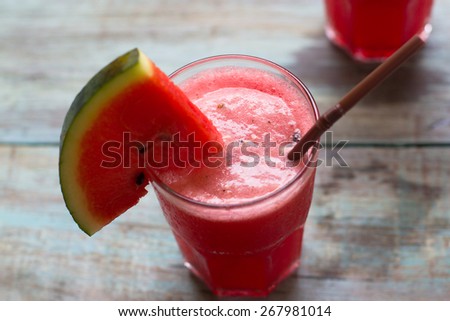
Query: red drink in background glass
{"x": 371, "y": 30}
{"x": 240, "y": 227}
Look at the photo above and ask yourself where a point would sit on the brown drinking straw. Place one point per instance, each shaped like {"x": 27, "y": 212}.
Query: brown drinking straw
{"x": 354, "y": 95}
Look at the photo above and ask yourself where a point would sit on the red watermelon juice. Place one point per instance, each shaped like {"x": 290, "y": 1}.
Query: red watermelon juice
{"x": 239, "y": 217}
{"x": 371, "y": 30}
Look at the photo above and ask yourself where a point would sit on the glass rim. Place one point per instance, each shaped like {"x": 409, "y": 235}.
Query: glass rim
{"x": 313, "y": 150}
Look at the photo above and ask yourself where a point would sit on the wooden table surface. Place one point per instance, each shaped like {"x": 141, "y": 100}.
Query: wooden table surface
{"x": 377, "y": 230}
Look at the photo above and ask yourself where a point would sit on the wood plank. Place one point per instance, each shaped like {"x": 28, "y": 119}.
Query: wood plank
{"x": 378, "y": 230}
{"x": 50, "y": 50}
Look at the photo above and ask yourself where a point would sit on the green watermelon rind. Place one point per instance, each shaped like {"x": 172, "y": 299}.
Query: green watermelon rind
{"x": 115, "y": 68}
{"x": 130, "y": 67}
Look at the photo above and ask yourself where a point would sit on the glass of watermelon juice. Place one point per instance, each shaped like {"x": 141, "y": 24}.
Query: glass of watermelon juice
{"x": 239, "y": 218}
{"x": 371, "y": 30}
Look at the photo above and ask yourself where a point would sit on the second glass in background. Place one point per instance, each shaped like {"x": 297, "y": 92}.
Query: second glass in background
{"x": 371, "y": 30}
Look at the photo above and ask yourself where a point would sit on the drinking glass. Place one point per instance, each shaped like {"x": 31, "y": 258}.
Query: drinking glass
{"x": 245, "y": 248}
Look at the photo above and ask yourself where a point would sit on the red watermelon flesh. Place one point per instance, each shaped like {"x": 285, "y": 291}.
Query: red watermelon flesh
{"x": 113, "y": 129}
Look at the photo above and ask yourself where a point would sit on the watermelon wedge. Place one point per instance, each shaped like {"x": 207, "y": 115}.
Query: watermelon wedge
{"x": 106, "y": 134}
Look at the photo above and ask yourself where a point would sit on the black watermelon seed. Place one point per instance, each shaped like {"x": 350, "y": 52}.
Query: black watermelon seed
{"x": 140, "y": 179}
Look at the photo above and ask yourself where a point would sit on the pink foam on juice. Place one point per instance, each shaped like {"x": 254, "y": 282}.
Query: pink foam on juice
{"x": 258, "y": 116}
{"x": 240, "y": 225}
